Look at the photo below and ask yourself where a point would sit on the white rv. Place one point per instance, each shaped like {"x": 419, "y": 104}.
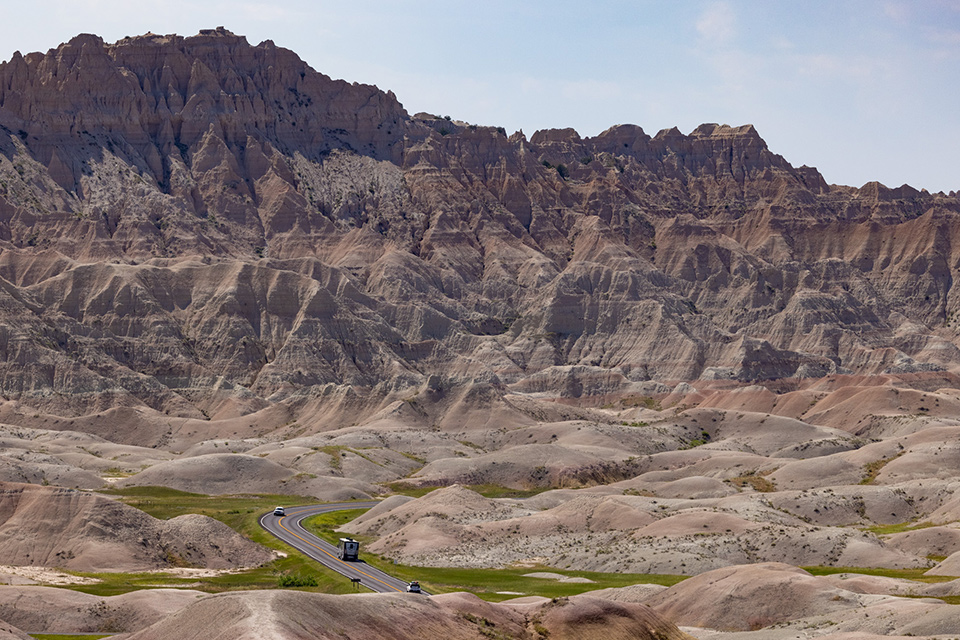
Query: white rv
{"x": 348, "y": 549}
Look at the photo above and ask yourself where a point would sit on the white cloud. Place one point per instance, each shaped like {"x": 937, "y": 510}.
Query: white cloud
{"x": 717, "y": 25}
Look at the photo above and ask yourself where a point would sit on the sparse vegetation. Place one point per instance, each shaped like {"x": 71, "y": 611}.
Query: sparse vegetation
{"x": 336, "y": 454}
{"x": 697, "y": 442}
{"x": 904, "y": 574}
{"x": 483, "y": 582}
{"x": 638, "y": 492}
{"x": 755, "y": 481}
{"x": 889, "y": 529}
{"x": 287, "y": 580}
{"x": 645, "y": 402}
{"x": 872, "y": 469}
{"x": 61, "y": 636}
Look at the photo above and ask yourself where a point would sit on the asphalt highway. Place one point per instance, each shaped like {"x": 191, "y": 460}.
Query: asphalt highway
{"x": 289, "y": 528}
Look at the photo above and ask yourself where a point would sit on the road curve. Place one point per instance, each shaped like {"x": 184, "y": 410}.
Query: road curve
{"x": 289, "y": 528}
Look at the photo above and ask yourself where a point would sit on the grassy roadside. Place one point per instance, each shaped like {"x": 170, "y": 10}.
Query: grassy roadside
{"x": 241, "y": 513}
{"x": 60, "y": 636}
{"x": 490, "y": 584}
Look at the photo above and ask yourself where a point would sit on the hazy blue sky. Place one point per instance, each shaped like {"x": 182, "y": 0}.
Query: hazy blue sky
{"x": 862, "y": 89}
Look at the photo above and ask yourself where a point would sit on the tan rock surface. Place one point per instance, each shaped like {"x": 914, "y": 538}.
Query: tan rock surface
{"x": 48, "y": 610}
{"x": 286, "y": 614}
{"x": 775, "y": 593}
{"x": 49, "y": 526}
{"x": 238, "y": 473}
{"x": 187, "y": 234}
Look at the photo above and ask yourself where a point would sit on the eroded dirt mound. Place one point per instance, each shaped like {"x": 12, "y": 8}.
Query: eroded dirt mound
{"x": 587, "y": 617}
{"x": 606, "y": 529}
{"x": 748, "y": 597}
{"x": 281, "y": 615}
{"x": 238, "y": 473}
{"x": 63, "y": 611}
{"x": 10, "y": 632}
{"x": 49, "y": 526}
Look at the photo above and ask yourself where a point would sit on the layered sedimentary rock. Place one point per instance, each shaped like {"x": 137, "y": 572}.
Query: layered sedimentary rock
{"x": 209, "y": 228}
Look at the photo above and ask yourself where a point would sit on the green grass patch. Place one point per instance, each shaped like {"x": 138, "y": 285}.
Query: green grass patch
{"x": 647, "y": 402}
{"x": 486, "y": 583}
{"x": 114, "y": 584}
{"x": 402, "y": 488}
{"x": 152, "y": 492}
{"x": 417, "y": 459}
{"x": 946, "y": 599}
{"x": 755, "y": 481}
{"x": 295, "y": 570}
{"x": 907, "y": 574}
{"x": 325, "y": 525}
{"x": 335, "y": 452}
{"x": 889, "y": 529}
{"x": 490, "y": 584}
{"x": 872, "y": 469}
{"x": 61, "y": 636}
{"x": 297, "y": 580}
{"x": 240, "y": 512}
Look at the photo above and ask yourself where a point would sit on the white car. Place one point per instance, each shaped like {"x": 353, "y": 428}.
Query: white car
{"x": 413, "y": 587}
{"x": 279, "y": 511}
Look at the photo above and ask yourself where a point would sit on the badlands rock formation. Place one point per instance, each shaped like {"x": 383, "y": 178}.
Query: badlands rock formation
{"x": 224, "y": 272}
{"x": 64, "y": 611}
{"x": 56, "y": 527}
{"x": 255, "y": 615}
{"x": 207, "y": 229}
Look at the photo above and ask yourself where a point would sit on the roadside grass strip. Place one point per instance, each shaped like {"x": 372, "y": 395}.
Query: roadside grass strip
{"x": 490, "y": 584}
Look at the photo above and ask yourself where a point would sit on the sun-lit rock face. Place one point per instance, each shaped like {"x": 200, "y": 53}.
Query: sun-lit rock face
{"x": 205, "y": 227}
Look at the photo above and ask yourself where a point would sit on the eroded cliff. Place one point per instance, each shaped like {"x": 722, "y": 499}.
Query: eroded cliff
{"x": 209, "y": 228}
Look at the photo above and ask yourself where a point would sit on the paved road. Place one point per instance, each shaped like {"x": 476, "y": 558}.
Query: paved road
{"x": 289, "y": 528}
